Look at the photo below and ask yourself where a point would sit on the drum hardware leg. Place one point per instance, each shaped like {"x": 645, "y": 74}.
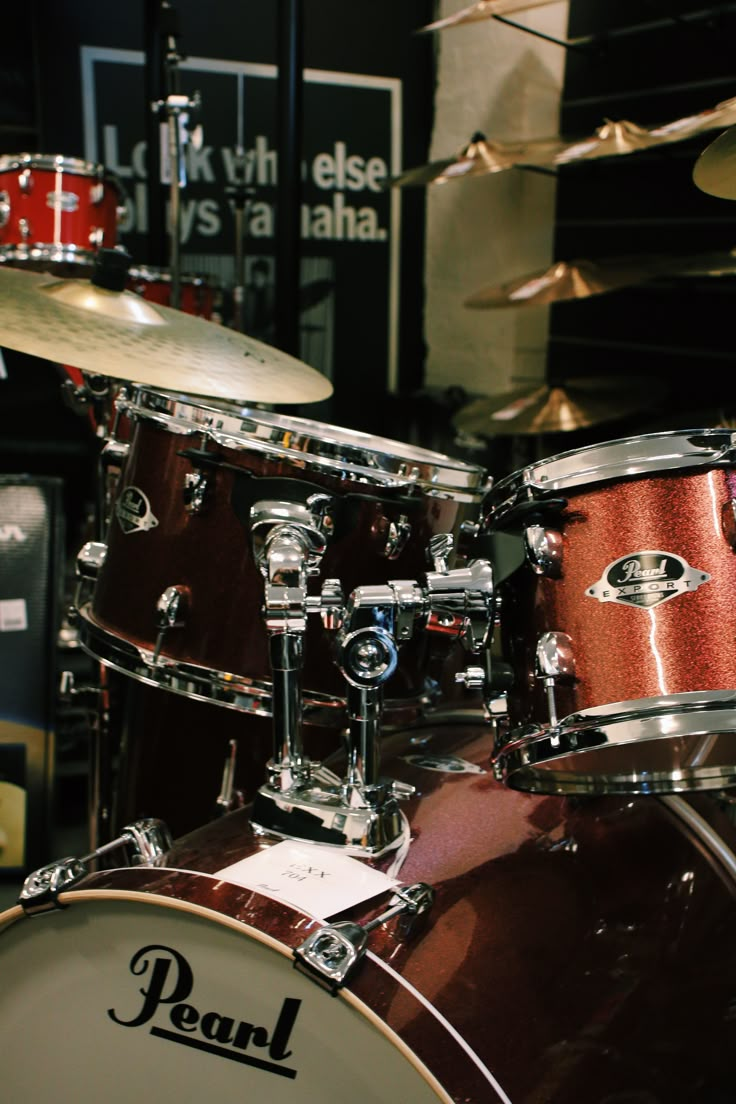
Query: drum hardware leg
{"x": 171, "y": 609}
{"x": 98, "y": 770}
{"x": 289, "y": 540}
{"x": 229, "y": 798}
{"x": 332, "y": 953}
{"x": 144, "y": 843}
{"x": 555, "y": 661}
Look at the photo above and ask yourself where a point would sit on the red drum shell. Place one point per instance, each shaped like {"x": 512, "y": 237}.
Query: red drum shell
{"x": 210, "y": 552}
{"x": 577, "y": 950}
{"x": 58, "y": 209}
{"x": 629, "y": 659}
{"x": 198, "y": 293}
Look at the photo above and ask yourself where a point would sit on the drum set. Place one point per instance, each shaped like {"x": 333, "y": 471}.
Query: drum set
{"x": 446, "y": 758}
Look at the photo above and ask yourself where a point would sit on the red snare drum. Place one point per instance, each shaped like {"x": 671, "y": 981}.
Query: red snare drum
{"x": 576, "y": 951}
{"x": 56, "y": 211}
{"x": 199, "y": 294}
{"x": 386, "y": 500}
{"x": 619, "y": 625}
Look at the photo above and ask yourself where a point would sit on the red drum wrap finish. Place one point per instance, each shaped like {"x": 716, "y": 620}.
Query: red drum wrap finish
{"x": 578, "y": 950}
{"x": 210, "y": 552}
{"x": 56, "y": 210}
{"x": 198, "y": 292}
{"x": 622, "y": 540}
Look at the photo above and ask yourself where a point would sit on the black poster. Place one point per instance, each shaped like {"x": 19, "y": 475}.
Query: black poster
{"x": 350, "y": 220}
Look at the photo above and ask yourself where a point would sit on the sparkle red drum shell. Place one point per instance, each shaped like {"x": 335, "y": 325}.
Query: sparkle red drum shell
{"x": 578, "y": 949}
{"x": 199, "y": 293}
{"x": 56, "y": 210}
{"x": 620, "y": 618}
{"x": 386, "y": 500}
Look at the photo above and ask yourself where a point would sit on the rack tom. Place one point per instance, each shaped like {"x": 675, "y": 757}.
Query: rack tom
{"x": 182, "y": 519}
{"x": 619, "y": 621}
{"x": 56, "y": 212}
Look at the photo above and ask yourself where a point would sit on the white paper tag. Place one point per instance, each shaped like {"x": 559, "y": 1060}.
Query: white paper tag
{"x": 317, "y": 880}
{"x": 13, "y": 615}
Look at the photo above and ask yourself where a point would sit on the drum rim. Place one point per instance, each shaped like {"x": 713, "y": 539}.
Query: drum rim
{"x": 654, "y": 452}
{"x": 151, "y": 273}
{"x": 57, "y": 252}
{"x": 59, "y": 162}
{"x": 433, "y": 472}
{"x": 231, "y": 691}
{"x": 520, "y": 761}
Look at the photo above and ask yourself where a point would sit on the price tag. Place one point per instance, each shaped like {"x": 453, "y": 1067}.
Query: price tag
{"x": 318, "y": 880}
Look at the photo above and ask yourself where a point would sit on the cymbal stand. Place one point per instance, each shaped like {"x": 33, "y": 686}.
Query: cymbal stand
{"x": 181, "y": 115}
{"x": 360, "y": 812}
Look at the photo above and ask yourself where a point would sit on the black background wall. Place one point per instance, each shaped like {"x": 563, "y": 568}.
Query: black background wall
{"x": 649, "y": 63}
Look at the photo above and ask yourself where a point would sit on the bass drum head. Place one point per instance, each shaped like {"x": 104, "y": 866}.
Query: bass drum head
{"x": 126, "y": 998}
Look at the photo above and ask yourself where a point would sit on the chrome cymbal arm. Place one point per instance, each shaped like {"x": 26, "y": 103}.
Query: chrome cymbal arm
{"x": 289, "y": 540}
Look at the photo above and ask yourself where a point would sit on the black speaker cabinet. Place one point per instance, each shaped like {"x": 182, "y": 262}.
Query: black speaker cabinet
{"x": 31, "y": 581}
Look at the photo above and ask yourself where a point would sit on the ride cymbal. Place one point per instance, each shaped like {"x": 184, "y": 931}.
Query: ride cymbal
{"x": 120, "y": 335}
{"x": 555, "y": 408}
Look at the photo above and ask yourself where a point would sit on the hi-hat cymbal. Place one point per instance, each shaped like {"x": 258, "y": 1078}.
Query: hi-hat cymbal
{"x": 479, "y": 158}
{"x": 715, "y": 169}
{"x": 484, "y": 9}
{"x": 549, "y": 408}
{"x": 120, "y": 335}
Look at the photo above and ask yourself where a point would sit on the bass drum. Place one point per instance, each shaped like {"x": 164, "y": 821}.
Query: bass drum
{"x": 578, "y": 949}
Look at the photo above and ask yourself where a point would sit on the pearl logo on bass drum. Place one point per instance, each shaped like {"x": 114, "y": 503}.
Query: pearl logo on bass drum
{"x": 133, "y": 511}
{"x": 170, "y": 984}
{"x": 646, "y": 579}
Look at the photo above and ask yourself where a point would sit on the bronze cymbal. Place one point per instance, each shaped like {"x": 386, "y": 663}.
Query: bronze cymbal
{"x": 558, "y": 408}
{"x": 120, "y": 335}
{"x": 479, "y": 158}
{"x": 484, "y": 9}
{"x": 570, "y": 280}
{"x": 715, "y": 170}
{"x": 610, "y": 140}
{"x": 722, "y": 115}
{"x": 581, "y": 278}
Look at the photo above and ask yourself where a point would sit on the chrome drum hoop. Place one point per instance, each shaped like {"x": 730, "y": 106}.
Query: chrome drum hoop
{"x": 231, "y": 691}
{"x": 47, "y": 253}
{"x": 49, "y": 162}
{"x": 526, "y": 760}
{"x": 648, "y": 454}
{"x": 312, "y": 445}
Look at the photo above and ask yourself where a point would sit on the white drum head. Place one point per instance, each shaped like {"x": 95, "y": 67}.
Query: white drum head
{"x": 128, "y": 998}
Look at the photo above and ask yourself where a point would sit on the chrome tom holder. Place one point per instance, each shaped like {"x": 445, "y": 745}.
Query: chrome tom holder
{"x": 301, "y": 800}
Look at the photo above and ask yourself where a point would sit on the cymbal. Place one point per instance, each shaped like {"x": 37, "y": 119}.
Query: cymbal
{"x": 581, "y": 278}
{"x": 715, "y": 170}
{"x": 120, "y": 335}
{"x": 610, "y": 140}
{"x": 557, "y": 408}
{"x": 484, "y": 9}
{"x": 722, "y": 115}
{"x": 479, "y": 158}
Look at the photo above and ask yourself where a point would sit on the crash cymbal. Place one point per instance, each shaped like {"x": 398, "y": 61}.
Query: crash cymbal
{"x": 479, "y": 158}
{"x": 715, "y": 169}
{"x": 120, "y": 335}
{"x": 722, "y": 115}
{"x": 484, "y": 9}
{"x": 556, "y": 408}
